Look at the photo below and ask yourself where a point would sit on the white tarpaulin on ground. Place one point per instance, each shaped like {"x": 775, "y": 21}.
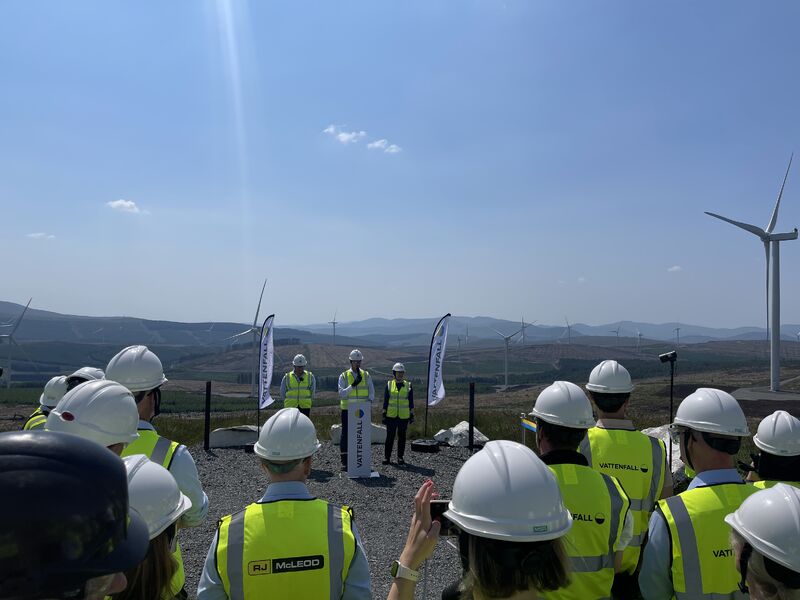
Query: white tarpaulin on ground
{"x": 662, "y": 433}
{"x": 459, "y": 436}
{"x": 233, "y": 437}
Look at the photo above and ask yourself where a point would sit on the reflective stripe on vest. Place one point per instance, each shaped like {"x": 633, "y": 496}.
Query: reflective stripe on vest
{"x": 703, "y": 564}
{"x": 638, "y": 462}
{"x": 763, "y": 485}
{"x": 36, "y": 421}
{"x": 298, "y": 393}
{"x": 358, "y": 394}
{"x": 398, "y": 400}
{"x": 598, "y": 506}
{"x": 276, "y": 550}
{"x": 158, "y": 449}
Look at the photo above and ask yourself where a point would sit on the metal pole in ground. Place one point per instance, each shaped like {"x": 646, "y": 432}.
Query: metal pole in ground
{"x": 425, "y": 435}
{"x": 207, "y": 428}
{"x": 472, "y": 416}
{"x": 671, "y": 396}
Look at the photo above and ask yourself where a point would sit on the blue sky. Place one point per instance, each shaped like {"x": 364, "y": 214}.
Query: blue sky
{"x": 549, "y": 158}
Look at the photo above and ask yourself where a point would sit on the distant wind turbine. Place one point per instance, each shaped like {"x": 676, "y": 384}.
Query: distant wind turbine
{"x": 638, "y": 341}
{"x": 256, "y": 331}
{"x": 524, "y": 327}
{"x": 334, "y": 322}
{"x": 798, "y": 336}
{"x": 616, "y": 332}
{"x": 771, "y": 242}
{"x": 506, "y": 339}
{"x": 569, "y": 330}
{"x": 8, "y": 338}
{"x": 677, "y": 331}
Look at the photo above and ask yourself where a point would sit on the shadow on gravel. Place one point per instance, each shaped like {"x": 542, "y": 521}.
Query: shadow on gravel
{"x": 415, "y": 469}
{"x": 320, "y": 475}
{"x": 384, "y": 481}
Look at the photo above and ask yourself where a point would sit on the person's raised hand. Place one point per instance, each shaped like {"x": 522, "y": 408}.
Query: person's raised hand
{"x": 424, "y": 532}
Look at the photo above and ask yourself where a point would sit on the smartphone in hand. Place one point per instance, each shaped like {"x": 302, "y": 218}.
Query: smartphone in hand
{"x": 437, "y": 514}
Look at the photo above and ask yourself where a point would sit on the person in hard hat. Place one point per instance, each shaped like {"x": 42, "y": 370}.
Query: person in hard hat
{"x": 65, "y": 523}
{"x": 766, "y": 543}
{"x": 778, "y": 460}
{"x": 83, "y": 375}
{"x": 688, "y": 552}
{"x": 100, "y": 411}
{"x": 289, "y": 544}
{"x": 154, "y": 494}
{"x": 299, "y": 386}
{"x": 398, "y": 412}
{"x": 639, "y": 462}
{"x": 511, "y": 517}
{"x": 602, "y": 525}
{"x": 54, "y": 390}
{"x": 140, "y": 370}
{"x": 355, "y": 385}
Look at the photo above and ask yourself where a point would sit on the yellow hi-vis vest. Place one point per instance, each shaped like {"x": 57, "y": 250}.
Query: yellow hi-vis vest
{"x": 360, "y": 393}
{"x": 160, "y": 450}
{"x": 768, "y": 483}
{"x": 398, "y": 400}
{"x": 36, "y": 421}
{"x": 703, "y": 563}
{"x": 286, "y": 549}
{"x": 638, "y": 462}
{"x": 598, "y": 506}
{"x": 298, "y": 393}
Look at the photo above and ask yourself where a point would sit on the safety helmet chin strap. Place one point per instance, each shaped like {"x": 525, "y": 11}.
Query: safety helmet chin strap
{"x": 727, "y": 445}
{"x": 156, "y": 399}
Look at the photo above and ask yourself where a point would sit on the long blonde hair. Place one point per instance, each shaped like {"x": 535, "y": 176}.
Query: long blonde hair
{"x": 150, "y": 579}
{"x": 762, "y": 585}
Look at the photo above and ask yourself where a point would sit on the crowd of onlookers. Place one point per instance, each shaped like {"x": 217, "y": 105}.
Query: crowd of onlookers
{"x": 93, "y": 499}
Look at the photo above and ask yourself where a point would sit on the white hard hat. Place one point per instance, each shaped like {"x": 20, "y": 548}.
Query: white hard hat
{"x": 54, "y": 390}
{"x": 137, "y": 368}
{"x": 299, "y": 361}
{"x": 610, "y": 377}
{"x": 154, "y": 493}
{"x": 287, "y": 435}
{"x": 88, "y": 374}
{"x": 399, "y": 367}
{"x": 505, "y": 492}
{"x": 769, "y": 521}
{"x": 100, "y": 411}
{"x": 712, "y": 411}
{"x": 779, "y": 434}
{"x": 356, "y": 355}
{"x": 564, "y": 403}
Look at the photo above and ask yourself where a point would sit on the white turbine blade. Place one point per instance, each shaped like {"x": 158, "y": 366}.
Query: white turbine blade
{"x": 747, "y": 227}
{"x": 774, "y": 218}
{"x": 16, "y": 325}
{"x": 249, "y": 331}
{"x": 502, "y": 335}
{"x": 258, "y": 308}
{"x": 766, "y": 255}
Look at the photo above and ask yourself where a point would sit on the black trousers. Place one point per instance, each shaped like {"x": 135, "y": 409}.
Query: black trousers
{"x": 343, "y": 439}
{"x": 399, "y": 426}
{"x": 305, "y": 411}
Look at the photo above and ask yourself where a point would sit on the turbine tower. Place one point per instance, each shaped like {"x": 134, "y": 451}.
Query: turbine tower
{"x": 638, "y": 341}
{"x": 524, "y": 327}
{"x": 569, "y": 330}
{"x": 677, "y": 331}
{"x": 8, "y": 338}
{"x": 256, "y": 331}
{"x": 334, "y": 322}
{"x": 771, "y": 243}
{"x": 506, "y": 339}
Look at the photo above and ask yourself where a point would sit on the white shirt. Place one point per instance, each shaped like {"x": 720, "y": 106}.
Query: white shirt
{"x": 185, "y": 473}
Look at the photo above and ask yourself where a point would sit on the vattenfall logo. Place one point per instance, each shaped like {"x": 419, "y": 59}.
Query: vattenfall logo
{"x": 360, "y": 413}
{"x": 273, "y": 566}
{"x": 623, "y": 467}
{"x": 599, "y": 518}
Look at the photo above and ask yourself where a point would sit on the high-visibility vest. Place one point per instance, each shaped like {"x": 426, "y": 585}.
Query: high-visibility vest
{"x": 36, "y": 421}
{"x": 298, "y": 393}
{"x": 286, "y": 549}
{"x": 160, "y": 450}
{"x": 703, "y": 563}
{"x": 360, "y": 393}
{"x": 598, "y": 506}
{"x": 638, "y": 462}
{"x": 398, "y": 400}
{"x": 763, "y": 485}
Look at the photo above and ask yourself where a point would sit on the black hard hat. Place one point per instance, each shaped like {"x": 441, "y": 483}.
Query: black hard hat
{"x": 64, "y": 516}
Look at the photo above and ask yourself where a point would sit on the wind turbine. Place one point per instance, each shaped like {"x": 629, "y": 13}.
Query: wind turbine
{"x": 771, "y": 242}
{"x": 616, "y": 332}
{"x": 569, "y": 330}
{"x": 798, "y": 336}
{"x": 524, "y": 327}
{"x": 334, "y": 325}
{"x": 677, "y": 331}
{"x": 256, "y": 331}
{"x": 638, "y": 341}
{"x": 8, "y": 338}
{"x": 506, "y": 339}
{"x": 466, "y": 339}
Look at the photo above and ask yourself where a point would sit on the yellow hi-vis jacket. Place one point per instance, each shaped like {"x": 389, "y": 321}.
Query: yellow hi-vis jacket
{"x": 638, "y": 462}
{"x": 160, "y": 450}
{"x": 298, "y": 393}
{"x": 768, "y": 483}
{"x": 703, "y": 563}
{"x": 286, "y": 549}
{"x": 360, "y": 393}
{"x": 36, "y": 421}
{"x": 398, "y": 400}
{"x": 598, "y": 506}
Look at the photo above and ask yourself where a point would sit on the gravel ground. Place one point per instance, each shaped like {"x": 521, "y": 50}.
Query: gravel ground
{"x": 382, "y": 506}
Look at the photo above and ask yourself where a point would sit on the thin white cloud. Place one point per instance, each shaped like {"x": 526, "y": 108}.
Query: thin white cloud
{"x": 393, "y": 149}
{"x": 127, "y": 206}
{"x": 675, "y": 269}
{"x": 344, "y": 137}
{"x": 41, "y": 236}
{"x": 378, "y": 145}
{"x": 581, "y": 279}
